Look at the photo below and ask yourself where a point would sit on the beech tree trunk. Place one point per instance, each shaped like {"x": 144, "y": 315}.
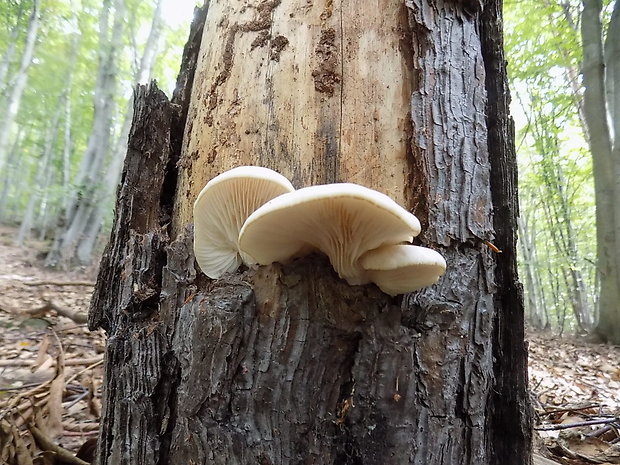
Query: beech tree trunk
{"x": 601, "y": 98}
{"x": 289, "y": 364}
{"x": 15, "y": 88}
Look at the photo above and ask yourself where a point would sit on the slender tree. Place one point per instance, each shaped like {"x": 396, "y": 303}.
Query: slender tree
{"x": 105, "y": 194}
{"x": 15, "y": 90}
{"x": 101, "y": 164}
{"x": 554, "y": 149}
{"x": 9, "y": 52}
{"x": 75, "y": 219}
{"x": 289, "y": 363}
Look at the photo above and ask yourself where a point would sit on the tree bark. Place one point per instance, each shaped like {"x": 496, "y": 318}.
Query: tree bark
{"x": 287, "y": 363}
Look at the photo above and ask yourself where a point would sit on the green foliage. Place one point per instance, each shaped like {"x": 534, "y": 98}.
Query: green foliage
{"x": 556, "y": 184}
{"x": 57, "y": 103}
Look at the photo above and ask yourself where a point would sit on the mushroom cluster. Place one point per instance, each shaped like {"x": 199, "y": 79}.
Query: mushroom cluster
{"x": 253, "y": 215}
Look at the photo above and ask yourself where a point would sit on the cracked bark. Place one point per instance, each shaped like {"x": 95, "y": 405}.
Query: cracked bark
{"x": 287, "y": 363}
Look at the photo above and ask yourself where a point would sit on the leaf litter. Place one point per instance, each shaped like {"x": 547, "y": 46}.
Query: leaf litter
{"x": 51, "y": 366}
{"x": 575, "y": 393}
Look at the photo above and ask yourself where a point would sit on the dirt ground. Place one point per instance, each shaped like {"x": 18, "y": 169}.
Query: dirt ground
{"x": 51, "y": 372}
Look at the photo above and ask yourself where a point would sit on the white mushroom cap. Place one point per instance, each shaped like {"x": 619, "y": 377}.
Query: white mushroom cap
{"x": 222, "y": 207}
{"x": 402, "y": 268}
{"x": 344, "y": 221}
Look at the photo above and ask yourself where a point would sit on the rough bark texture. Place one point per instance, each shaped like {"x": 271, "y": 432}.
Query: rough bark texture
{"x": 288, "y": 364}
{"x": 508, "y": 409}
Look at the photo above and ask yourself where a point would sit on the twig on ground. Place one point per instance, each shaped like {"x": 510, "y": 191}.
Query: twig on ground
{"x": 602, "y": 421}
{"x": 18, "y": 362}
{"x": 48, "y": 305}
{"x": 552, "y": 410}
{"x": 18, "y": 388}
{"x": 58, "y": 283}
{"x": 93, "y": 433}
{"x": 95, "y": 363}
{"x": 80, "y": 427}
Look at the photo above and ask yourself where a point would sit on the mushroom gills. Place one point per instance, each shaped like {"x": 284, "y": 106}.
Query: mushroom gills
{"x": 221, "y": 209}
{"x": 344, "y": 221}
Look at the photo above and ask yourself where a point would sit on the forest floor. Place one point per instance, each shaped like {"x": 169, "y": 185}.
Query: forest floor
{"x": 51, "y": 372}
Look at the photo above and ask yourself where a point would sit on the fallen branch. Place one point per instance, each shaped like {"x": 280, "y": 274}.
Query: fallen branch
{"x": 78, "y": 317}
{"x": 540, "y": 460}
{"x": 46, "y": 444}
{"x": 553, "y": 410}
{"x": 81, "y": 434}
{"x": 95, "y": 363}
{"x": 602, "y": 421}
{"x": 58, "y": 283}
{"x": 48, "y": 305}
{"x": 19, "y": 362}
{"x": 80, "y": 427}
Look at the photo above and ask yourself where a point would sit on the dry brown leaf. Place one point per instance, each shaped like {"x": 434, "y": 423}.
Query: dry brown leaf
{"x": 45, "y": 364}
{"x": 7, "y": 449}
{"x": 568, "y": 418}
{"x": 13, "y": 448}
{"x": 42, "y": 354}
{"x": 53, "y": 426}
{"x": 593, "y": 450}
{"x": 45, "y": 458}
{"x": 22, "y": 453}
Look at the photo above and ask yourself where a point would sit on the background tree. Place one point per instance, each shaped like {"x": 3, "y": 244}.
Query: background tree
{"x": 14, "y": 89}
{"x": 40, "y": 176}
{"x": 547, "y": 59}
{"x": 601, "y": 78}
{"x": 288, "y": 363}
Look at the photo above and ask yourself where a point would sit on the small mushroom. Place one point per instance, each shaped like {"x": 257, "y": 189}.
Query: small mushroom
{"x": 402, "y": 268}
{"x": 222, "y": 207}
{"x": 343, "y": 221}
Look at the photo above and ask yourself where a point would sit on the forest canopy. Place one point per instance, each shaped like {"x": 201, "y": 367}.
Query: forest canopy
{"x": 67, "y": 73}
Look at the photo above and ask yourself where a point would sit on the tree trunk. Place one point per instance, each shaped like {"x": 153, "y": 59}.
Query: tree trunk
{"x": 7, "y": 56}
{"x": 18, "y": 82}
{"x": 88, "y": 211}
{"x": 75, "y": 218}
{"x": 599, "y": 98}
{"x": 288, "y": 363}
{"x": 534, "y": 293}
{"x": 100, "y": 208}
{"x": 11, "y": 180}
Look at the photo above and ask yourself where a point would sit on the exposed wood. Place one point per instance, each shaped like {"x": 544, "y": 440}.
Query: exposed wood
{"x": 330, "y": 101}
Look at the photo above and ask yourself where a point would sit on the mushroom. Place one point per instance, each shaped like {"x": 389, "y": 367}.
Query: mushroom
{"x": 402, "y": 268}
{"x": 222, "y": 207}
{"x": 344, "y": 221}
